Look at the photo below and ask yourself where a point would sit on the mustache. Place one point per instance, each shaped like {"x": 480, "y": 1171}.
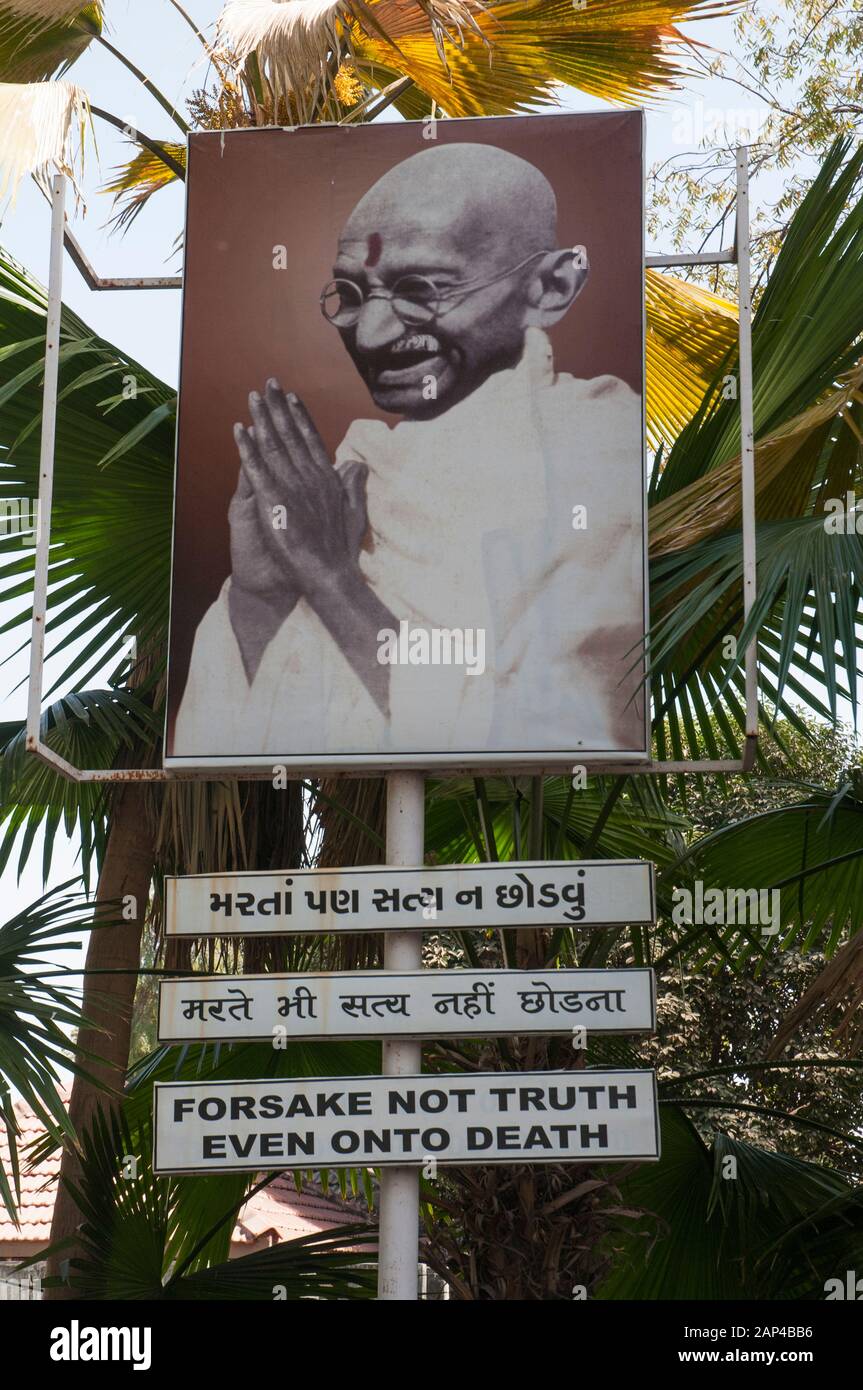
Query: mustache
{"x": 407, "y": 343}
{"x": 415, "y": 342}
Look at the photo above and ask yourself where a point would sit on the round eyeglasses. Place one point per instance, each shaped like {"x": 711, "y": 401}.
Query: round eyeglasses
{"x": 415, "y": 299}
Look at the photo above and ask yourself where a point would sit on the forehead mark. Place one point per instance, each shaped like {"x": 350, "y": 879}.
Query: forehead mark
{"x": 375, "y": 247}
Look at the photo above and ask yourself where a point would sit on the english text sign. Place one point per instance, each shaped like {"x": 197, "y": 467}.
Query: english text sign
{"x": 494, "y": 1117}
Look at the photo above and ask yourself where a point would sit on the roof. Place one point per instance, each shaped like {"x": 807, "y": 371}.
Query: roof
{"x": 283, "y": 1213}
{"x": 38, "y": 1188}
{"x": 278, "y": 1212}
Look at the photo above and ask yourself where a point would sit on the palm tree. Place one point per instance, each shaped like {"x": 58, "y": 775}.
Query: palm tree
{"x": 500, "y": 60}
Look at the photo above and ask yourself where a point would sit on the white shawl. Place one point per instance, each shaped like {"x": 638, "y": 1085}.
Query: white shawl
{"x": 471, "y": 518}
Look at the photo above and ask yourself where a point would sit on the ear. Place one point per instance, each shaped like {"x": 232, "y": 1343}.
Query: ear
{"x": 557, "y": 281}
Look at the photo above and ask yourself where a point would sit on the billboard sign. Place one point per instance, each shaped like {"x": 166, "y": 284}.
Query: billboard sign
{"x": 410, "y": 497}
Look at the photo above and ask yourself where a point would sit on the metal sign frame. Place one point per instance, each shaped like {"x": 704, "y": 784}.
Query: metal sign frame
{"x": 61, "y": 239}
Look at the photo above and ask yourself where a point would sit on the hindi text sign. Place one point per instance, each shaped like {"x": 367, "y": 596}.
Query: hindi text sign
{"x": 419, "y": 1004}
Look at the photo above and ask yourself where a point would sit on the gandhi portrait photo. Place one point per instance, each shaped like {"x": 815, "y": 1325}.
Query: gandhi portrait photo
{"x": 456, "y": 568}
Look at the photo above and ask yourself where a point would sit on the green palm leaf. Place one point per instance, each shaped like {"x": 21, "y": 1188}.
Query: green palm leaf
{"x": 778, "y": 1230}
{"x": 128, "y": 1225}
{"x": 111, "y": 521}
{"x": 809, "y": 445}
{"x": 93, "y": 728}
{"x": 38, "y": 41}
{"x": 38, "y": 1008}
{"x": 811, "y": 851}
{"x": 617, "y": 50}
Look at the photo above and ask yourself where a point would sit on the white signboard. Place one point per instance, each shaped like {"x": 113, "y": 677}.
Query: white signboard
{"x": 487, "y": 1117}
{"x": 420, "y": 1004}
{"x": 446, "y": 897}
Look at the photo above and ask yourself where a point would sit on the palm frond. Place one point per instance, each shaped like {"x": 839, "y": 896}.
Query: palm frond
{"x": 101, "y": 728}
{"x": 135, "y": 182}
{"x": 125, "y": 1238}
{"x": 43, "y": 126}
{"x": 811, "y": 852}
{"x": 808, "y": 589}
{"x": 809, "y": 447}
{"x": 38, "y": 1010}
{"x": 838, "y": 989}
{"x": 778, "y": 1231}
{"x": 38, "y": 38}
{"x": 795, "y": 1224}
{"x": 616, "y": 50}
{"x": 690, "y": 333}
{"x": 111, "y": 521}
{"x": 806, "y": 332}
{"x": 297, "y": 46}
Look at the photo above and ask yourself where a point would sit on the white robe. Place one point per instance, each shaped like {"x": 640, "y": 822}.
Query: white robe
{"x": 471, "y": 518}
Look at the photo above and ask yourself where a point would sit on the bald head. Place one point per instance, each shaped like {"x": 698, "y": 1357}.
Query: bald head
{"x": 479, "y": 197}
{"x": 446, "y": 260}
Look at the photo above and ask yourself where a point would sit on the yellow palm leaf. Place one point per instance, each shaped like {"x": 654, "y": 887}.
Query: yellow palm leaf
{"x": 299, "y": 44}
{"x": 136, "y": 182}
{"x": 689, "y": 333}
{"x": 40, "y": 122}
{"x": 38, "y": 37}
{"x": 618, "y": 50}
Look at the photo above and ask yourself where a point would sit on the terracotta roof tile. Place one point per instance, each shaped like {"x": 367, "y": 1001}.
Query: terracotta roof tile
{"x": 38, "y": 1188}
{"x": 278, "y": 1209}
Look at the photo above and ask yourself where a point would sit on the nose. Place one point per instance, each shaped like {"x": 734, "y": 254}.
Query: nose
{"x": 378, "y": 325}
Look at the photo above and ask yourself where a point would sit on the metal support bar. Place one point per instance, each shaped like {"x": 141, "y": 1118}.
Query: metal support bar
{"x": 699, "y": 258}
{"x": 46, "y": 461}
{"x": 398, "y": 1256}
{"x": 58, "y": 764}
{"x": 300, "y": 774}
{"x": 96, "y": 282}
{"x": 747, "y": 446}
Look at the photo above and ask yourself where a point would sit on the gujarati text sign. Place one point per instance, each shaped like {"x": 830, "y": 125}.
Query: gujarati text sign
{"x": 444, "y": 897}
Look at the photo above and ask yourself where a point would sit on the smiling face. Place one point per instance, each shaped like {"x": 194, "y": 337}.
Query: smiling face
{"x": 457, "y": 214}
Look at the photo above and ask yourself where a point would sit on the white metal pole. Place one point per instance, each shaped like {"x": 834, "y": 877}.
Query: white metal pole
{"x": 747, "y": 434}
{"x": 398, "y": 1257}
{"x": 46, "y": 458}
